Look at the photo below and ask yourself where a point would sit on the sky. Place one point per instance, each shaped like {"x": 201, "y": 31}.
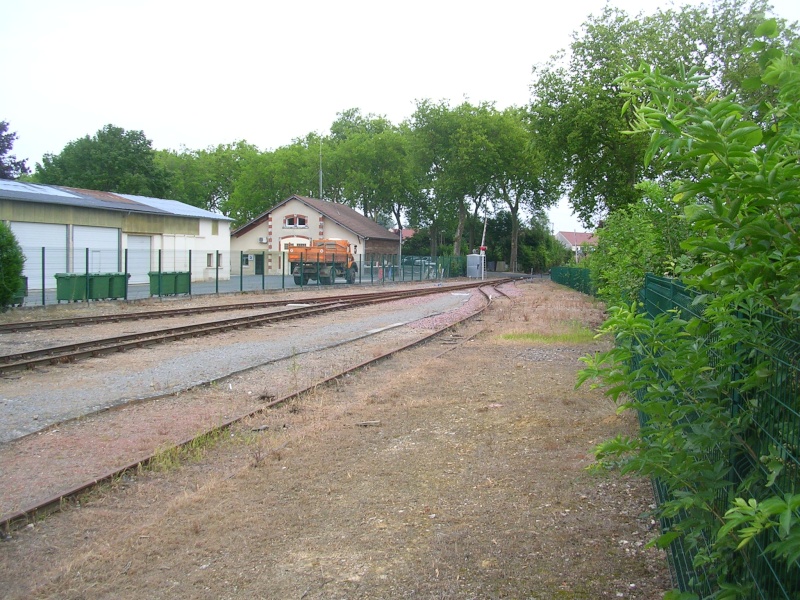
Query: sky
{"x": 198, "y": 73}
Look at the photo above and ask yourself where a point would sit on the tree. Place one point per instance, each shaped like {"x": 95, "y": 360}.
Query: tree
{"x": 112, "y": 160}
{"x": 381, "y": 178}
{"x": 206, "y": 178}
{"x": 641, "y": 238}
{"x": 271, "y": 177}
{"x": 353, "y": 161}
{"x": 577, "y": 107}
{"x": 11, "y": 262}
{"x": 452, "y": 149}
{"x": 520, "y": 176}
{"x": 10, "y": 167}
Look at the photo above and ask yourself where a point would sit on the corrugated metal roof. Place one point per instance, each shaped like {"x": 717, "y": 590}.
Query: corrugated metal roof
{"x": 30, "y": 188}
{"x": 65, "y": 196}
{"x": 176, "y": 208}
{"x": 50, "y": 194}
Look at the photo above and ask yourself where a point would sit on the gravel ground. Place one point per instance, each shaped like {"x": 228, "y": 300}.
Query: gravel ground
{"x": 268, "y": 362}
{"x": 451, "y": 471}
{"x": 31, "y": 401}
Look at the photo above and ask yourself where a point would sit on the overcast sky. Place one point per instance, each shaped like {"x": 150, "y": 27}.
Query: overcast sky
{"x": 197, "y": 73}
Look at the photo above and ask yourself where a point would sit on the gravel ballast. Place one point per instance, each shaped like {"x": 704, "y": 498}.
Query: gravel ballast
{"x": 31, "y": 401}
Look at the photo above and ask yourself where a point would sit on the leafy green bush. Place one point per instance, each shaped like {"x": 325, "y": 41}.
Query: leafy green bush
{"x": 11, "y": 262}
{"x": 699, "y": 381}
{"x": 642, "y": 238}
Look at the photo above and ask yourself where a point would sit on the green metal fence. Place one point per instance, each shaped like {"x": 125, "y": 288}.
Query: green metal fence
{"x": 99, "y": 273}
{"x": 775, "y": 430}
{"x": 574, "y": 277}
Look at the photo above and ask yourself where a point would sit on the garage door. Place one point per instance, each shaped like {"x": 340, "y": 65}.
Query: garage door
{"x": 100, "y": 244}
{"x": 35, "y": 236}
{"x": 139, "y": 258}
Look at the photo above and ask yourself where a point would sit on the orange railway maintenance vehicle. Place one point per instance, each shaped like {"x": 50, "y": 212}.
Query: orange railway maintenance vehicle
{"x": 324, "y": 261}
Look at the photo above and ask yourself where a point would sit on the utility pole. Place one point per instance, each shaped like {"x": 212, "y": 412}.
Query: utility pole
{"x": 320, "y": 168}
{"x": 483, "y": 246}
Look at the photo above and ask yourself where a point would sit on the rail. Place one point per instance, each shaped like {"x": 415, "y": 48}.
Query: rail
{"x": 68, "y": 353}
{"x": 57, "y": 501}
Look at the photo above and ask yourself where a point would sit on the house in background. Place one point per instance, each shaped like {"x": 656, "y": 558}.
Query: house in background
{"x": 576, "y": 241}
{"x": 299, "y": 220}
{"x": 68, "y": 230}
{"x": 407, "y": 233}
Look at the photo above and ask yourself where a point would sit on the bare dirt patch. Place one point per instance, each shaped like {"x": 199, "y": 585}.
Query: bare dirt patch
{"x": 451, "y": 471}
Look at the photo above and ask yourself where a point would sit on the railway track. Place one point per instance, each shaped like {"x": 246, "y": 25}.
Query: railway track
{"x": 41, "y": 324}
{"x": 69, "y": 353}
{"x": 56, "y": 501}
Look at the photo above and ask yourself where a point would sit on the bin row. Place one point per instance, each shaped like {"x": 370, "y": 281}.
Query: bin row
{"x": 169, "y": 283}
{"x": 72, "y": 287}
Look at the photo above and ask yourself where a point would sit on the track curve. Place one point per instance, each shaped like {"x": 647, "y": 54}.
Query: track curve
{"x": 54, "y": 501}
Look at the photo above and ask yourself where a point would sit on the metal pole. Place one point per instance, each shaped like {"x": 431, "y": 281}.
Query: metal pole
{"x": 190, "y": 272}
{"x": 302, "y": 269}
{"x": 44, "y": 270}
{"x": 125, "y": 274}
{"x": 400, "y": 251}
{"x": 320, "y": 167}
{"x": 87, "y": 275}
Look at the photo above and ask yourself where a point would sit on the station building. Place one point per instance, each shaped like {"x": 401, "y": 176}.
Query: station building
{"x": 298, "y": 221}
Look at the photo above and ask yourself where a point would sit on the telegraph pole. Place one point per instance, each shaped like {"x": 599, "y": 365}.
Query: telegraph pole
{"x": 483, "y": 246}
{"x": 320, "y": 168}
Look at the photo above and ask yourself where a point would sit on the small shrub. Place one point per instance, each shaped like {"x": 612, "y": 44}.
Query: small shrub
{"x": 11, "y": 262}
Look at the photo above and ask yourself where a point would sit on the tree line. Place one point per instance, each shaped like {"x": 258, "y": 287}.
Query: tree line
{"x": 446, "y": 166}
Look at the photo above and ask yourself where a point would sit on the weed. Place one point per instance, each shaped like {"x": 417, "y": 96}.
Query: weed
{"x": 169, "y": 458}
{"x": 294, "y": 370}
{"x": 257, "y": 456}
{"x": 576, "y": 334}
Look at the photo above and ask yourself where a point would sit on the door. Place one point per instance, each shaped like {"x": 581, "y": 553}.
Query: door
{"x": 259, "y": 264}
{"x": 102, "y": 244}
{"x": 139, "y": 258}
{"x": 33, "y": 237}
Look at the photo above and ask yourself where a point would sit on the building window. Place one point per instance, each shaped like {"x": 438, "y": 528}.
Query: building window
{"x": 214, "y": 227}
{"x": 295, "y": 222}
{"x": 209, "y": 260}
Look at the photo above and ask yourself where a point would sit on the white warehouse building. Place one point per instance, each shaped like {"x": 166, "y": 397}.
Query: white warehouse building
{"x": 68, "y": 230}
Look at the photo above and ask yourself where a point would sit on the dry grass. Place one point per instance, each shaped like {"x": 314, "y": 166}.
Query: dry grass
{"x": 473, "y": 485}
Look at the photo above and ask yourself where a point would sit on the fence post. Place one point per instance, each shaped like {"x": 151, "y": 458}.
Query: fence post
{"x": 44, "y": 270}
{"x": 190, "y": 273}
{"x": 87, "y": 275}
{"x": 159, "y": 272}
{"x": 302, "y": 269}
